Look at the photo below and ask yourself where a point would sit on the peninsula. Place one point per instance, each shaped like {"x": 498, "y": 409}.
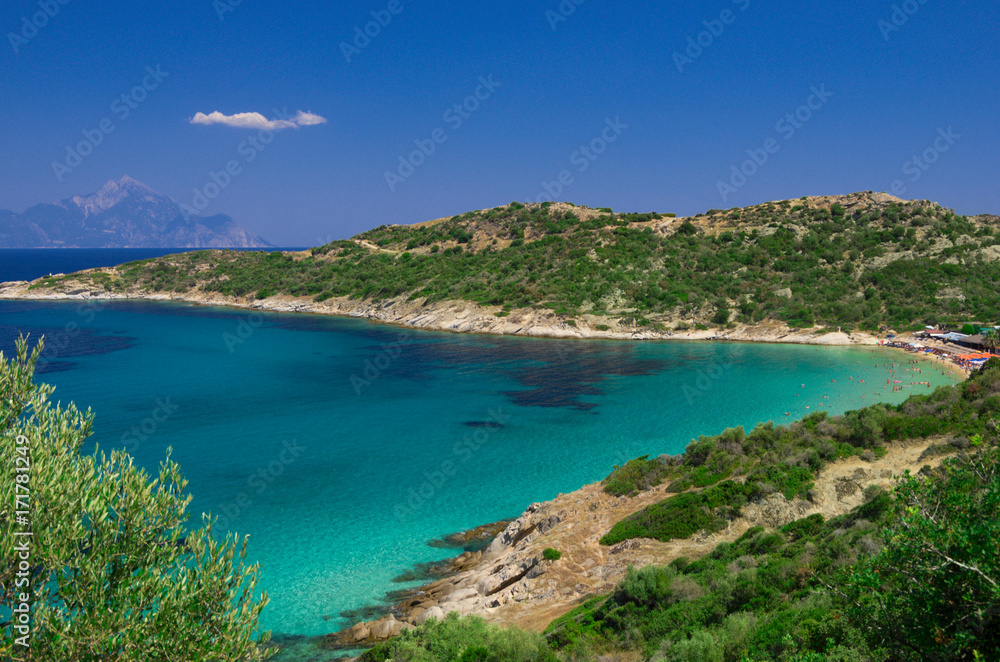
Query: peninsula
{"x": 829, "y": 270}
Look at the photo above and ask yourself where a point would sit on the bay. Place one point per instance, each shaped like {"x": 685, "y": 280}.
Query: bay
{"x": 342, "y": 447}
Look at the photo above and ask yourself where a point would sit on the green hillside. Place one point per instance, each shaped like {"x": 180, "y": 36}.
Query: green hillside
{"x": 859, "y": 261}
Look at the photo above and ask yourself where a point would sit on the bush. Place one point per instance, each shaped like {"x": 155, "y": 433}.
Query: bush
{"x": 550, "y": 554}
{"x": 701, "y": 647}
{"x": 637, "y": 475}
{"x": 467, "y": 639}
{"x": 679, "y": 516}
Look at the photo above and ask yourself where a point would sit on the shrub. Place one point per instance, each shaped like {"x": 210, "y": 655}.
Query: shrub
{"x": 550, "y": 554}
{"x": 468, "y": 638}
{"x": 679, "y": 516}
{"x": 635, "y": 476}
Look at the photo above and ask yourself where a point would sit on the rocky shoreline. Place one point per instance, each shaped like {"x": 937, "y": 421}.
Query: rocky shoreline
{"x": 511, "y": 582}
{"x": 450, "y": 316}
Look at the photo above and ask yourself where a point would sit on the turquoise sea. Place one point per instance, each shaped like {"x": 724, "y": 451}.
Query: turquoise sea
{"x": 342, "y": 447}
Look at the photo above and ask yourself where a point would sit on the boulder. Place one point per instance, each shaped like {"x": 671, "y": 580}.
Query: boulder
{"x": 359, "y": 632}
{"x": 385, "y": 628}
{"x": 433, "y": 612}
{"x": 462, "y": 594}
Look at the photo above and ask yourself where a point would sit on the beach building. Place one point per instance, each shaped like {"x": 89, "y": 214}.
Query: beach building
{"x": 972, "y": 342}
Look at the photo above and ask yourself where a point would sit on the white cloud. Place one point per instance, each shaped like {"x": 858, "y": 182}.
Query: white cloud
{"x": 258, "y": 121}
{"x": 308, "y": 119}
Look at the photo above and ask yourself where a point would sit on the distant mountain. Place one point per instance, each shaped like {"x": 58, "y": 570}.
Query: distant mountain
{"x": 123, "y": 214}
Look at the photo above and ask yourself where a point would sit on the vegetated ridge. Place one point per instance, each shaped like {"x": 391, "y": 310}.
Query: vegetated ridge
{"x": 865, "y": 261}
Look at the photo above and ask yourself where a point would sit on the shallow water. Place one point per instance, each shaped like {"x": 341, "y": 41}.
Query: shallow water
{"x": 343, "y": 447}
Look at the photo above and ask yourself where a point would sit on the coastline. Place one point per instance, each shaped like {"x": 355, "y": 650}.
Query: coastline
{"x": 456, "y": 317}
{"x": 512, "y": 583}
{"x": 528, "y": 603}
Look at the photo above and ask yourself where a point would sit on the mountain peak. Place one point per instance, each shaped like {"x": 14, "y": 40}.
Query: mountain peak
{"x": 124, "y": 213}
{"x": 111, "y": 194}
{"x": 127, "y": 182}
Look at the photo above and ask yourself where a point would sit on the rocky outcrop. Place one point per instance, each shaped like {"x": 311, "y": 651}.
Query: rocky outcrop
{"x": 480, "y": 536}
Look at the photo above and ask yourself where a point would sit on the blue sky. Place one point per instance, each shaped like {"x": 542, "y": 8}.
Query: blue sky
{"x": 554, "y": 86}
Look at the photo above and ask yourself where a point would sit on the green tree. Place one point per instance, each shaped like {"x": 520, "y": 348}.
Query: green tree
{"x": 933, "y": 592}
{"x": 113, "y": 572}
{"x": 991, "y": 339}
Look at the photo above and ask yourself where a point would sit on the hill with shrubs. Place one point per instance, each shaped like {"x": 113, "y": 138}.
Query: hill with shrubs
{"x": 861, "y": 261}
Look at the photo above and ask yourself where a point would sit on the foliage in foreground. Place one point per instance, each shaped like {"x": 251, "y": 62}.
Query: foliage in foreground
{"x": 115, "y": 571}
{"x": 934, "y": 591}
{"x": 463, "y": 640}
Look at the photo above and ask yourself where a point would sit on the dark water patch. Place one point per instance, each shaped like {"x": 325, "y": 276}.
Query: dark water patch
{"x": 175, "y": 309}
{"x": 490, "y": 425}
{"x": 62, "y": 344}
{"x": 556, "y": 395}
{"x": 553, "y": 373}
{"x": 365, "y": 613}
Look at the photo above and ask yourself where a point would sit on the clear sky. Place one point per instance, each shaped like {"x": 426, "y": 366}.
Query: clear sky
{"x": 670, "y": 118}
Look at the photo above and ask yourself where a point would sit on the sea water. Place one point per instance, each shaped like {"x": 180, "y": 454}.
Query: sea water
{"x": 342, "y": 447}
{"x": 32, "y": 263}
